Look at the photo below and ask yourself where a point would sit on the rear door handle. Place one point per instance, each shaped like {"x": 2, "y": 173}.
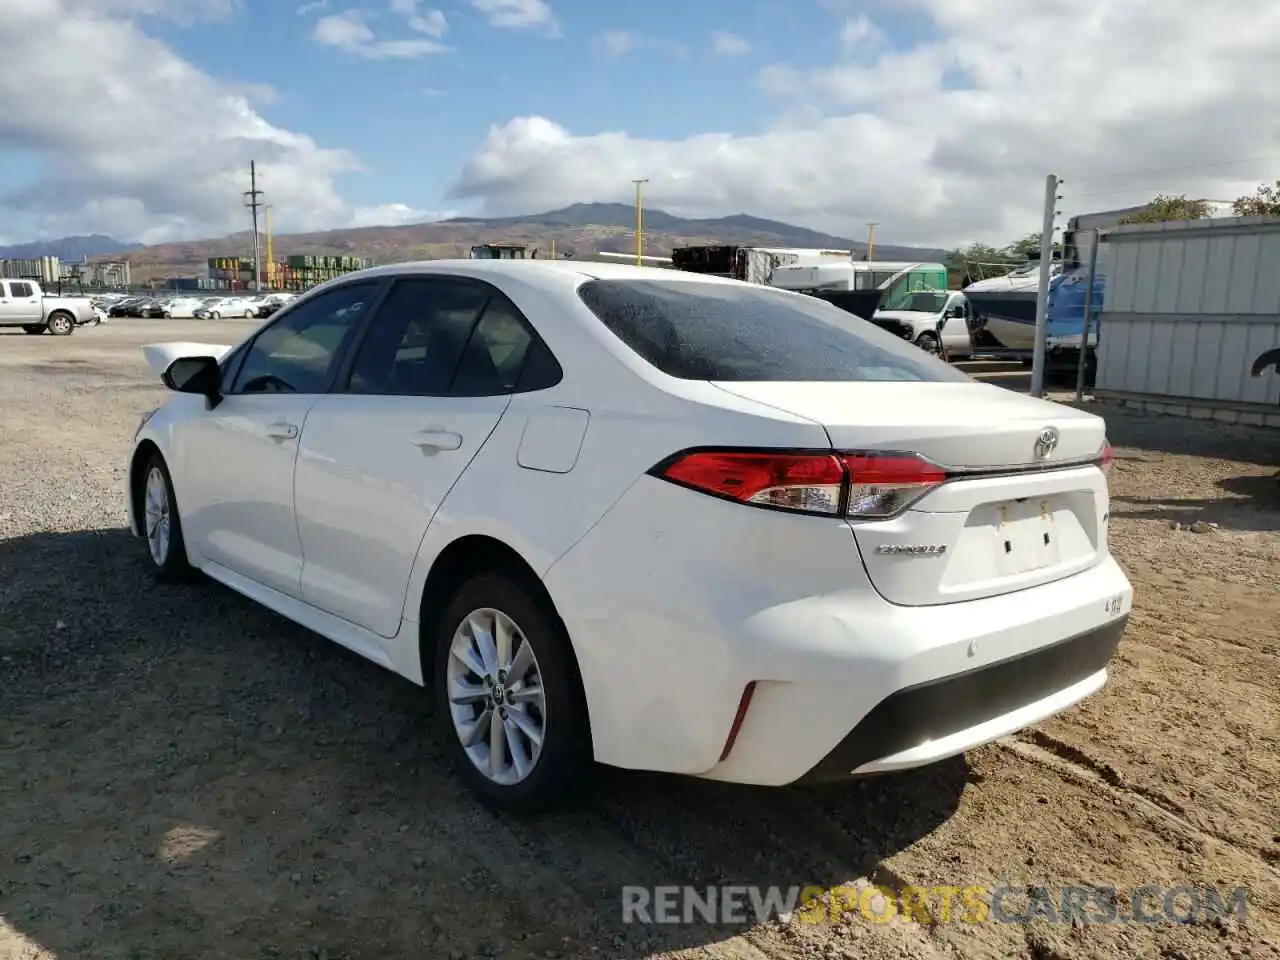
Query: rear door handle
{"x": 434, "y": 438}
{"x": 282, "y": 431}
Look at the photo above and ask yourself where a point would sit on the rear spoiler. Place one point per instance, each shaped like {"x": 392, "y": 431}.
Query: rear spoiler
{"x": 160, "y": 355}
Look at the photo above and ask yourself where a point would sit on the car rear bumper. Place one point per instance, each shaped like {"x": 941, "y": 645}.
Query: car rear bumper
{"x": 676, "y": 603}
{"x": 943, "y": 717}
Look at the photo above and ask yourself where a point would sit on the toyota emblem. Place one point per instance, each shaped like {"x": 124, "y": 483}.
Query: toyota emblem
{"x": 1046, "y": 443}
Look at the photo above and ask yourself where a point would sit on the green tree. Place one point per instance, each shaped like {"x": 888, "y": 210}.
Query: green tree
{"x": 1263, "y": 202}
{"x": 1164, "y": 208}
{"x": 1024, "y": 249}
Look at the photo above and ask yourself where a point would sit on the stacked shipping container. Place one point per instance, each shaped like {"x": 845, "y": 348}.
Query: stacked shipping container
{"x": 297, "y": 272}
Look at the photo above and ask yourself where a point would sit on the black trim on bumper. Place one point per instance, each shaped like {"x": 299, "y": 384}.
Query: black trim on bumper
{"x": 938, "y": 708}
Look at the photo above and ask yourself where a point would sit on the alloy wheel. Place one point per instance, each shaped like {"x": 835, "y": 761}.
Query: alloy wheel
{"x": 156, "y": 512}
{"x": 496, "y": 699}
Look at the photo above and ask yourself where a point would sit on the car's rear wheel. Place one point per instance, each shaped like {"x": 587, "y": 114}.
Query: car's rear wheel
{"x": 60, "y": 324}
{"x": 215, "y": 315}
{"x": 33, "y": 328}
{"x": 508, "y": 695}
{"x": 161, "y": 525}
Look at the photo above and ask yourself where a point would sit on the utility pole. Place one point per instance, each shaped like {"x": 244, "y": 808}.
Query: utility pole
{"x": 252, "y": 200}
{"x": 1042, "y": 293}
{"x": 271, "y": 258}
{"x": 871, "y": 239}
{"x": 640, "y": 221}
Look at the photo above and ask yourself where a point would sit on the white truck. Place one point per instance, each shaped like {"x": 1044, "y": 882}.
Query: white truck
{"x": 23, "y": 304}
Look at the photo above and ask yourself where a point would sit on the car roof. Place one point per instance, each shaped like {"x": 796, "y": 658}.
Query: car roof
{"x": 548, "y": 273}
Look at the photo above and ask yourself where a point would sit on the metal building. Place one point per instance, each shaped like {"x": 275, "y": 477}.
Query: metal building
{"x": 1189, "y": 306}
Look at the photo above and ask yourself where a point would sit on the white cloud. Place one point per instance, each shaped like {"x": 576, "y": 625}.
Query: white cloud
{"x": 949, "y": 139}
{"x": 726, "y": 44}
{"x": 350, "y": 32}
{"x": 79, "y": 112}
{"x": 858, "y": 31}
{"x": 519, "y": 15}
{"x": 615, "y": 43}
{"x": 394, "y": 215}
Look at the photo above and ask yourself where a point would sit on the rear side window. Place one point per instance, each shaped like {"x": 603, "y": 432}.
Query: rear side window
{"x": 744, "y": 332}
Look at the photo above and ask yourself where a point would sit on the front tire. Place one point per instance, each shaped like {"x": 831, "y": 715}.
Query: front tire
{"x": 928, "y": 342}
{"x": 161, "y": 525}
{"x": 508, "y": 696}
{"x": 61, "y": 324}
{"x": 215, "y": 315}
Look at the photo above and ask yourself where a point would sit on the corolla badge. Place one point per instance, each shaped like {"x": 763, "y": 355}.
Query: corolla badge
{"x": 1046, "y": 443}
{"x": 912, "y": 549}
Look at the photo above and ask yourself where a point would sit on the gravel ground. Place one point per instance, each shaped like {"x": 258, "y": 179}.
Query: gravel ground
{"x": 185, "y": 775}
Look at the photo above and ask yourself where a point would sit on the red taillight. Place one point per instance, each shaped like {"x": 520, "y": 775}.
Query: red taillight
{"x": 1108, "y": 454}
{"x": 807, "y": 482}
{"x": 864, "y": 485}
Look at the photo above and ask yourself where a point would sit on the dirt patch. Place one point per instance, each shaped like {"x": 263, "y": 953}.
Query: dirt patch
{"x": 185, "y": 775}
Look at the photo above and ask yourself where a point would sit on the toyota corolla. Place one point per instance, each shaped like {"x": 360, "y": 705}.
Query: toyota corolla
{"x": 642, "y": 518}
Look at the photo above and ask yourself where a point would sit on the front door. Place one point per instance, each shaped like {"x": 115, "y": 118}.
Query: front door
{"x": 428, "y": 386}
{"x": 238, "y": 459}
{"x": 19, "y": 303}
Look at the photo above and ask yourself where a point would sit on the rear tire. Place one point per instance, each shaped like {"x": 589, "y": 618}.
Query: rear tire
{"x": 61, "y": 324}
{"x": 500, "y": 649}
{"x": 161, "y": 525}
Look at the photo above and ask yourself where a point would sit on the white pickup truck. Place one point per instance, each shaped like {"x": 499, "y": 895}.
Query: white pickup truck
{"x": 23, "y": 304}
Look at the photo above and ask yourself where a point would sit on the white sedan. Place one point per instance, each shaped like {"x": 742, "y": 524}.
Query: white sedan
{"x": 652, "y": 519}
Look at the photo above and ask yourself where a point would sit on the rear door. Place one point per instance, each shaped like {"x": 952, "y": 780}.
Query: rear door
{"x": 427, "y": 387}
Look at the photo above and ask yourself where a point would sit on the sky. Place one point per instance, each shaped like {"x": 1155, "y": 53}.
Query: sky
{"x": 937, "y": 119}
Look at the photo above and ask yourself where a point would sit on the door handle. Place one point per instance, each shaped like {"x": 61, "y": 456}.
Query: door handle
{"x": 434, "y": 439}
{"x": 282, "y": 431}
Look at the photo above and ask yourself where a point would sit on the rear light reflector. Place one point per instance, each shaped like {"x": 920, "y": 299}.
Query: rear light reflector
{"x": 1108, "y": 455}
{"x": 744, "y": 704}
{"x": 864, "y": 485}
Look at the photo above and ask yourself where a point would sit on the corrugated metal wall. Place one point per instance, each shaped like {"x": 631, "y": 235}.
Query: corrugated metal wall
{"x": 1189, "y": 306}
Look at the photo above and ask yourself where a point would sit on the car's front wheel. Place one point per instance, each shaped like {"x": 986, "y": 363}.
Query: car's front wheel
{"x": 507, "y": 690}
{"x": 161, "y": 525}
{"x": 928, "y": 342}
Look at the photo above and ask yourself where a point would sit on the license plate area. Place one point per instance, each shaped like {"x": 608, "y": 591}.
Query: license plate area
{"x": 1024, "y": 536}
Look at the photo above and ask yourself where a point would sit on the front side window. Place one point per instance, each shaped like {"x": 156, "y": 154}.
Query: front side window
{"x": 299, "y": 353}
{"x": 742, "y": 332}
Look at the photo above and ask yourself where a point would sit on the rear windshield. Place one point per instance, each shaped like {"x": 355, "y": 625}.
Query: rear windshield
{"x": 744, "y": 332}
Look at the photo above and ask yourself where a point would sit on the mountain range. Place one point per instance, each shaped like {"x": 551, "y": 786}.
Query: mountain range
{"x": 69, "y": 248}
{"x": 580, "y": 228}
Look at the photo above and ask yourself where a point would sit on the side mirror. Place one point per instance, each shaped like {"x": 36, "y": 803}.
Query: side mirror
{"x": 199, "y": 375}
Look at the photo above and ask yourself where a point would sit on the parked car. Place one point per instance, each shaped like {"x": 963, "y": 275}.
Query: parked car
{"x": 23, "y": 303}
{"x": 128, "y": 307}
{"x": 227, "y": 307}
{"x": 654, "y": 519}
